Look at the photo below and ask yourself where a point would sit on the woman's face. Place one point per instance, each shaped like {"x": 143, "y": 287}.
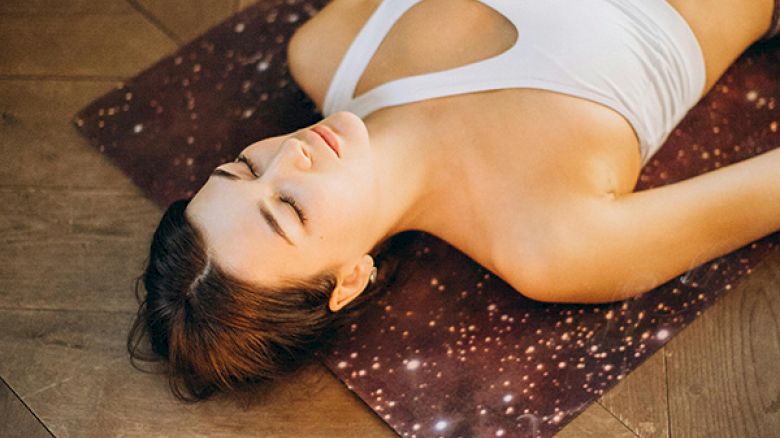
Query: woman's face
{"x": 244, "y": 209}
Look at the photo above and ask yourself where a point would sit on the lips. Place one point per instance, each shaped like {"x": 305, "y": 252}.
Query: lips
{"x": 329, "y": 138}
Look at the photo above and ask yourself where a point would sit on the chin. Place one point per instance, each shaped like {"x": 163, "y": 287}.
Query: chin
{"x": 349, "y": 125}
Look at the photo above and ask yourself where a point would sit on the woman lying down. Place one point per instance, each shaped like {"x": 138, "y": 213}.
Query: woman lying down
{"x": 514, "y": 130}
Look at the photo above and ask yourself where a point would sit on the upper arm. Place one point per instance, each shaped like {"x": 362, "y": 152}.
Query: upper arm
{"x": 611, "y": 249}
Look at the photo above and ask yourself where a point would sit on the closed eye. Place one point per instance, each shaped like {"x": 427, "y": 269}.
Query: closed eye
{"x": 298, "y": 210}
{"x": 243, "y": 159}
{"x": 283, "y": 197}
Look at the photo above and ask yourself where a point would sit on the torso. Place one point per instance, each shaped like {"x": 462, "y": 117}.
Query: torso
{"x": 562, "y": 146}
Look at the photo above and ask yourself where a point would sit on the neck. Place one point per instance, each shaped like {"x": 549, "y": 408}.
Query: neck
{"x": 418, "y": 177}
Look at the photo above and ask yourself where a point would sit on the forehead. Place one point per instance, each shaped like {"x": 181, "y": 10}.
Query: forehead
{"x": 234, "y": 233}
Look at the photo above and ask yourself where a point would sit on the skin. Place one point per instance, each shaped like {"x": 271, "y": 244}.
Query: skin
{"x": 445, "y": 166}
{"x": 372, "y": 203}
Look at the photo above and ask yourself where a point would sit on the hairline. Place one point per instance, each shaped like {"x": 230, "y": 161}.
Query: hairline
{"x": 212, "y": 265}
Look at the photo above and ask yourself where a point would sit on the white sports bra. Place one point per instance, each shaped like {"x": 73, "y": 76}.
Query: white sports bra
{"x": 637, "y": 57}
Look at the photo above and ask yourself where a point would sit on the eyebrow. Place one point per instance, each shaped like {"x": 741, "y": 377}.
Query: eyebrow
{"x": 264, "y": 211}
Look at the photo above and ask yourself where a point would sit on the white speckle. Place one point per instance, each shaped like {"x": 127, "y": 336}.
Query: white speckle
{"x": 751, "y": 95}
{"x": 508, "y": 398}
{"x": 263, "y": 65}
{"x": 292, "y": 18}
{"x": 375, "y": 366}
{"x": 138, "y": 128}
{"x": 608, "y": 367}
{"x": 440, "y": 425}
{"x": 662, "y": 334}
{"x": 239, "y": 27}
{"x": 353, "y": 355}
{"x": 247, "y": 113}
{"x": 342, "y": 365}
{"x": 416, "y": 427}
{"x": 413, "y": 365}
{"x": 561, "y": 364}
{"x": 491, "y": 307}
{"x": 500, "y": 432}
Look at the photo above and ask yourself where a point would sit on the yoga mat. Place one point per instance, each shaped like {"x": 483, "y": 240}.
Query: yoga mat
{"x": 453, "y": 351}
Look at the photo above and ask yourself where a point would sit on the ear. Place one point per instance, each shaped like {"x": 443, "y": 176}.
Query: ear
{"x": 351, "y": 282}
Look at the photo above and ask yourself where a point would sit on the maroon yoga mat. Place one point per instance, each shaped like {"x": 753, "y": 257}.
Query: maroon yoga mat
{"x": 453, "y": 351}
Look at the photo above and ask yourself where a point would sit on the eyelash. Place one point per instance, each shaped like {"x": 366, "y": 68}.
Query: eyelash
{"x": 282, "y": 197}
{"x": 285, "y": 198}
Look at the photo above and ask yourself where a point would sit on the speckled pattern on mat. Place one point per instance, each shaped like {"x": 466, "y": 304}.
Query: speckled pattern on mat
{"x": 453, "y": 351}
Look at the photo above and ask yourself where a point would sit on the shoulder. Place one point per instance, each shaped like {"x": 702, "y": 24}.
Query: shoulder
{"x": 318, "y": 45}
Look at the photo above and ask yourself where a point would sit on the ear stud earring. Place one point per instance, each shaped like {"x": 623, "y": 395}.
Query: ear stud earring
{"x": 372, "y": 276}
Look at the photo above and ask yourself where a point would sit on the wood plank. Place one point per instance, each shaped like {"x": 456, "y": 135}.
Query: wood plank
{"x": 639, "y": 400}
{"x": 60, "y": 8}
{"x": 39, "y": 144}
{"x": 72, "y": 249}
{"x": 41, "y": 349}
{"x": 311, "y": 403}
{"x": 16, "y": 421}
{"x": 71, "y": 369}
{"x": 113, "y": 45}
{"x": 722, "y": 370}
{"x": 596, "y": 422}
{"x": 188, "y": 18}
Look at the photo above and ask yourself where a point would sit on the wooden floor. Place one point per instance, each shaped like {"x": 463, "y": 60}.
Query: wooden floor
{"x": 75, "y": 232}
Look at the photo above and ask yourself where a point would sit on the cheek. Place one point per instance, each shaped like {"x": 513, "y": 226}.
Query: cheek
{"x": 342, "y": 200}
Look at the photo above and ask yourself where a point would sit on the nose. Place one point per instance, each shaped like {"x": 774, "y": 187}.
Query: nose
{"x": 293, "y": 153}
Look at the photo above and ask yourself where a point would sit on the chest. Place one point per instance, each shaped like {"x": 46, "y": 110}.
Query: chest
{"x": 535, "y": 126}
{"x": 530, "y": 148}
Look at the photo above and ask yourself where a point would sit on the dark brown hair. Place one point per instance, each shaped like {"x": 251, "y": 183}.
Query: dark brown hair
{"x": 214, "y": 333}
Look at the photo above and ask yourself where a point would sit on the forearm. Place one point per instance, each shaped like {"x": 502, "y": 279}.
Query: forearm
{"x": 738, "y": 203}
{"x": 636, "y": 242}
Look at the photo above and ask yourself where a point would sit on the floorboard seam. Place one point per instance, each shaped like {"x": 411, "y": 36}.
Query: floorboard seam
{"x": 668, "y": 406}
{"x": 63, "y": 188}
{"x": 156, "y": 22}
{"x": 617, "y": 418}
{"x": 72, "y": 78}
{"x": 21, "y": 400}
{"x": 43, "y": 309}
